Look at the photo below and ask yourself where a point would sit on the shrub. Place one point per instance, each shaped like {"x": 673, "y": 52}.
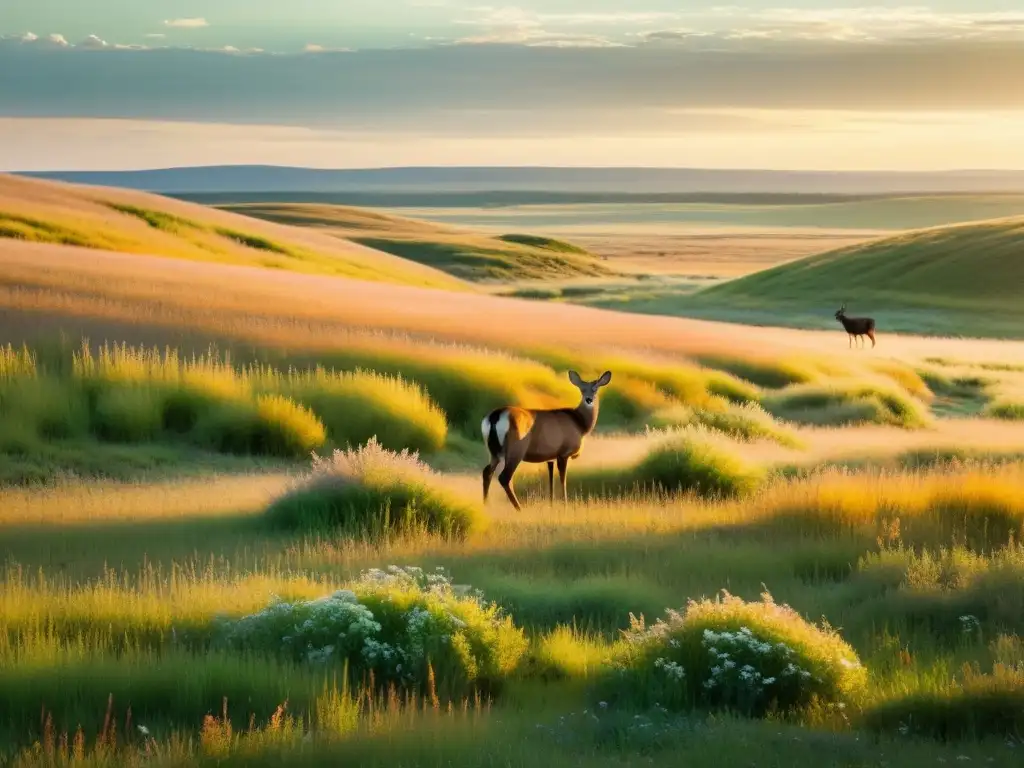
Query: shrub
{"x": 128, "y": 414}
{"x": 746, "y": 422}
{"x": 373, "y": 491}
{"x": 48, "y": 407}
{"x": 403, "y": 625}
{"x": 753, "y": 658}
{"x": 688, "y": 463}
{"x": 355, "y": 407}
{"x": 975, "y": 707}
{"x": 844, "y": 404}
{"x": 1007, "y": 411}
{"x": 771, "y": 374}
{"x": 272, "y": 425}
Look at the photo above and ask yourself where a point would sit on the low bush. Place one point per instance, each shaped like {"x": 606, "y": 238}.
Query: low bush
{"x": 745, "y": 422}
{"x": 357, "y": 406}
{"x": 371, "y": 491}
{"x": 689, "y": 463}
{"x": 976, "y": 706}
{"x": 1005, "y": 410}
{"x": 752, "y": 658}
{"x": 408, "y": 628}
{"x": 128, "y": 414}
{"x": 271, "y": 425}
{"x": 847, "y": 404}
{"x": 45, "y": 406}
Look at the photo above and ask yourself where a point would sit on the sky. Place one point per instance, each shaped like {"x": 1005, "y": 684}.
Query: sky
{"x": 797, "y": 84}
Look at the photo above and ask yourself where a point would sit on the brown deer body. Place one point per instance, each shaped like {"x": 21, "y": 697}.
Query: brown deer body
{"x": 514, "y": 435}
{"x": 857, "y": 327}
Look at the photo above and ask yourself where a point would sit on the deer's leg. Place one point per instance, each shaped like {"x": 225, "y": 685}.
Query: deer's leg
{"x": 551, "y": 481}
{"x": 563, "y": 471}
{"x": 850, "y": 337}
{"x": 872, "y": 335}
{"x": 489, "y": 473}
{"x": 505, "y": 479}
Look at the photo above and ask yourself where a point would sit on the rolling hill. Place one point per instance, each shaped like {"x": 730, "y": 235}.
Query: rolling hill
{"x": 964, "y": 279}
{"x": 464, "y": 254}
{"x": 140, "y": 223}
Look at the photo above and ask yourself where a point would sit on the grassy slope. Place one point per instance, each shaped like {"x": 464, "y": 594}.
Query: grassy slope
{"x": 965, "y": 279}
{"x": 877, "y": 213}
{"x": 139, "y": 223}
{"x": 463, "y": 254}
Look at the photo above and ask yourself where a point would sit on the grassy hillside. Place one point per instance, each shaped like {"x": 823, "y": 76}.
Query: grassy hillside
{"x": 467, "y": 255}
{"x": 140, "y": 223}
{"x": 960, "y": 280}
{"x": 162, "y": 533}
{"x": 888, "y": 213}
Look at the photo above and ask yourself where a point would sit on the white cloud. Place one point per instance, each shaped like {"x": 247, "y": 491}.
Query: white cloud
{"x": 93, "y": 42}
{"x": 864, "y": 24}
{"x": 156, "y": 35}
{"x": 192, "y": 23}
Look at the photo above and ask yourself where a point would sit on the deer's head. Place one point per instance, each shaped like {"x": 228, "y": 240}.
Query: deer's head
{"x": 588, "y": 389}
{"x": 842, "y": 312}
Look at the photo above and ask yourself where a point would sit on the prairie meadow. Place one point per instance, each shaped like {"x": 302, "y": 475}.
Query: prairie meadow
{"x": 242, "y": 523}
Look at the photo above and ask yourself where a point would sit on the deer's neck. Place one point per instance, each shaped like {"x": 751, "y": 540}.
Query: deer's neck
{"x": 586, "y": 415}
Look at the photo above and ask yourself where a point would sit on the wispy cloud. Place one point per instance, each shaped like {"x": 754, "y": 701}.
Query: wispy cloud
{"x": 190, "y": 23}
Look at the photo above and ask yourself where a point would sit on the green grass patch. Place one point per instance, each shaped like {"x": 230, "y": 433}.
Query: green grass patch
{"x": 847, "y": 403}
{"x": 371, "y": 492}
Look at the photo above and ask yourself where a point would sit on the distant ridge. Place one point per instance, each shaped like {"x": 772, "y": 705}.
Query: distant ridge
{"x": 619, "y": 181}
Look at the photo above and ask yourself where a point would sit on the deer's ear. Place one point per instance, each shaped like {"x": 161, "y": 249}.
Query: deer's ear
{"x": 605, "y": 379}
{"x": 575, "y": 378}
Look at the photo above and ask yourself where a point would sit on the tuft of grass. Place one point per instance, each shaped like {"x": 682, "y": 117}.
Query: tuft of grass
{"x": 1005, "y": 410}
{"x": 748, "y": 657}
{"x": 973, "y": 707}
{"x": 686, "y": 462}
{"x": 373, "y": 492}
{"x": 361, "y": 405}
{"x": 689, "y": 464}
{"x": 847, "y": 403}
{"x": 271, "y": 425}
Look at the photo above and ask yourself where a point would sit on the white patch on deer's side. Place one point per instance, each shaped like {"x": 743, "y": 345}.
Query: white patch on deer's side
{"x": 501, "y": 428}
{"x": 485, "y": 426}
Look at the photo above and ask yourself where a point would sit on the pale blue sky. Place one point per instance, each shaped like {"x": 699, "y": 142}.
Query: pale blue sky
{"x": 283, "y": 26}
{"x": 786, "y": 84}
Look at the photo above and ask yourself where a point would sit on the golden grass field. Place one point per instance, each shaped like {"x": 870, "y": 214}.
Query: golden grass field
{"x": 152, "y": 495}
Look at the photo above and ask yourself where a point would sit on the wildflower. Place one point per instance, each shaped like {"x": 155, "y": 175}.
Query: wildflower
{"x": 143, "y": 730}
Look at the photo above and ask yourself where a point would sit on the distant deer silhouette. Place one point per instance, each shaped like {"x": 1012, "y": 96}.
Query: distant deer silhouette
{"x": 857, "y": 327}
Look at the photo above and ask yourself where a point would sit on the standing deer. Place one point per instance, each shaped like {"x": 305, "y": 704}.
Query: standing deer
{"x": 857, "y": 327}
{"x": 514, "y": 435}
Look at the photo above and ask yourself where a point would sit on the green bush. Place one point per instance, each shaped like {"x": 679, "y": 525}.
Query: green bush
{"x": 355, "y": 407}
{"x": 752, "y": 658}
{"x": 128, "y": 414}
{"x": 271, "y": 426}
{"x": 371, "y": 491}
{"x": 687, "y": 463}
{"x": 745, "y": 422}
{"x": 1007, "y": 411}
{"x": 400, "y": 624}
{"x": 847, "y": 403}
{"x": 975, "y": 707}
{"x": 48, "y": 407}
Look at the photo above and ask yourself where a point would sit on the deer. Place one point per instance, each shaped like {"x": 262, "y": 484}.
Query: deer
{"x": 514, "y": 435}
{"x": 857, "y": 327}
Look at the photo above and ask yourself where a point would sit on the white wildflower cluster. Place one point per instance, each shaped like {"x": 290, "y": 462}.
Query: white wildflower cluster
{"x": 343, "y": 625}
{"x": 970, "y": 624}
{"x": 741, "y": 662}
{"x": 671, "y": 668}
